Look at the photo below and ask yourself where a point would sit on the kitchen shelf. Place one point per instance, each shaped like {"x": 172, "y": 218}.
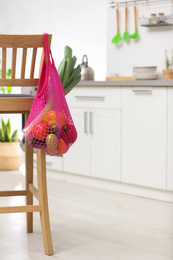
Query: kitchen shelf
{"x": 157, "y": 15}
{"x": 157, "y": 25}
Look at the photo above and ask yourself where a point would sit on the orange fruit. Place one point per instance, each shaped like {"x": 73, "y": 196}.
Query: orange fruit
{"x": 49, "y": 116}
{"x": 51, "y": 123}
{"x": 62, "y": 119}
{"x": 62, "y": 147}
{"x": 50, "y": 119}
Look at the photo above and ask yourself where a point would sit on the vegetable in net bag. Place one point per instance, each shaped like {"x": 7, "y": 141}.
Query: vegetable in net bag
{"x": 50, "y": 126}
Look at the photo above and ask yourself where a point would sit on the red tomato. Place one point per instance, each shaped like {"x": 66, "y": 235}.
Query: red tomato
{"x": 40, "y": 131}
{"x": 69, "y": 134}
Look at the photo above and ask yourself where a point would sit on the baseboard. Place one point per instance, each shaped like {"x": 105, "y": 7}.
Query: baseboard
{"x": 113, "y": 186}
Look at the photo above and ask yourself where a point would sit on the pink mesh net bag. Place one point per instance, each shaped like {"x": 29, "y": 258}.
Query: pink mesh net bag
{"x": 50, "y": 126}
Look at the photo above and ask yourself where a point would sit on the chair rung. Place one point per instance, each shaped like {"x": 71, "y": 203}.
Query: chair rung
{"x": 33, "y": 190}
{"x": 17, "y": 209}
{"x": 13, "y": 193}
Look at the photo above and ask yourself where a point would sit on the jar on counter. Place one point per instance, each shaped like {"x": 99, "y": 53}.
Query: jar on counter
{"x": 153, "y": 19}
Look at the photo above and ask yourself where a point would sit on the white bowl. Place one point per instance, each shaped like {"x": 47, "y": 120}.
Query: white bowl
{"x": 146, "y": 76}
{"x": 145, "y": 70}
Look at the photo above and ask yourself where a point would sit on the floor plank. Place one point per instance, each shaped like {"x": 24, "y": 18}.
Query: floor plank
{"x": 88, "y": 224}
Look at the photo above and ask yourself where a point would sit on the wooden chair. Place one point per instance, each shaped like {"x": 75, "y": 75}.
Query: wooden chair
{"x": 22, "y": 104}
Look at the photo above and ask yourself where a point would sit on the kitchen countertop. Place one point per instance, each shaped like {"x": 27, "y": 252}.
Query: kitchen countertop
{"x": 148, "y": 83}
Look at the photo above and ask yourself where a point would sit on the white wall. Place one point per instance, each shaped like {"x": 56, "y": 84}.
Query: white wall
{"x": 79, "y": 24}
{"x": 147, "y": 50}
{"x": 88, "y": 27}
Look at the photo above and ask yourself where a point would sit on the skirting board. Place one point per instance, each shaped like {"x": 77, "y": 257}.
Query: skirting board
{"x": 113, "y": 186}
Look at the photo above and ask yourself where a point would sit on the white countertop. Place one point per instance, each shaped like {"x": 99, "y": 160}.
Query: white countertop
{"x": 149, "y": 83}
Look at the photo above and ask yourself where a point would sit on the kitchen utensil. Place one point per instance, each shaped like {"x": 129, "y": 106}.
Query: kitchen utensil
{"x": 87, "y": 73}
{"x": 126, "y": 34}
{"x": 117, "y": 37}
{"x": 135, "y": 34}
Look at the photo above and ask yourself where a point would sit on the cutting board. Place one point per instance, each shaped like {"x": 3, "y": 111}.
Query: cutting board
{"x": 120, "y": 78}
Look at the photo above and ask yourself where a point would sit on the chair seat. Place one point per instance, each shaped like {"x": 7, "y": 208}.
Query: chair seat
{"x": 15, "y": 103}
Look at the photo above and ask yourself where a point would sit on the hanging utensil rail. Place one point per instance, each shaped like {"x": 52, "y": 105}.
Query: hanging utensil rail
{"x": 137, "y": 2}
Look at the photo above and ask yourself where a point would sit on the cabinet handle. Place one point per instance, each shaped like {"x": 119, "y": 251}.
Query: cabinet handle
{"x": 91, "y": 123}
{"x": 95, "y": 98}
{"x": 85, "y": 122}
{"x": 142, "y": 91}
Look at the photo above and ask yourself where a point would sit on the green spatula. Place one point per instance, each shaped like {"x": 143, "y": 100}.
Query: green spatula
{"x": 126, "y": 34}
{"x": 117, "y": 37}
{"x": 135, "y": 34}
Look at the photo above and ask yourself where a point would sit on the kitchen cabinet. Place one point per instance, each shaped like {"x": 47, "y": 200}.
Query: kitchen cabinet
{"x": 125, "y": 137}
{"x": 170, "y": 140}
{"x": 144, "y": 136}
{"x": 97, "y": 150}
{"x": 105, "y": 143}
{"x": 52, "y": 162}
{"x": 77, "y": 160}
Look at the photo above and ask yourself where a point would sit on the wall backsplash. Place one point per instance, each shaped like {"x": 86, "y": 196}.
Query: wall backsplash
{"x": 79, "y": 24}
{"x": 88, "y": 30}
{"x": 146, "y": 50}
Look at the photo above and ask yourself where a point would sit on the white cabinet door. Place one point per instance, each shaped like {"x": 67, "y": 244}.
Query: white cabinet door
{"x": 77, "y": 159}
{"x": 52, "y": 162}
{"x": 170, "y": 140}
{"x": 97, "y": 150}
{"x": 105, "y": 128}
{"x": 144, "y": 112}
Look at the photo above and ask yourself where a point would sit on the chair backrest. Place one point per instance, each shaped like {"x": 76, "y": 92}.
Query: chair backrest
{"x": 24, "y": 41}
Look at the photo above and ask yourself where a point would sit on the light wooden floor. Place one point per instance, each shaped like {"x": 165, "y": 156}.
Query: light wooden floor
{"x": 88, "y": 224}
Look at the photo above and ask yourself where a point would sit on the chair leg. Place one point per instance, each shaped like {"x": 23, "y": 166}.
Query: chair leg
{"x": 43, "y": 201}
{"x": 29, "y": 179}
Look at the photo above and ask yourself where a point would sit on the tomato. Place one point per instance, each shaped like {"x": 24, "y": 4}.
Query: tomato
{"x": 62, "y": 147}
{"x": 40, "y": 131}
{"x": 69, "y": 134}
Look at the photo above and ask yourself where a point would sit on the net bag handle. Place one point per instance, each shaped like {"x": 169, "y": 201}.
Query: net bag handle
{"x": 46, "y": 62}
